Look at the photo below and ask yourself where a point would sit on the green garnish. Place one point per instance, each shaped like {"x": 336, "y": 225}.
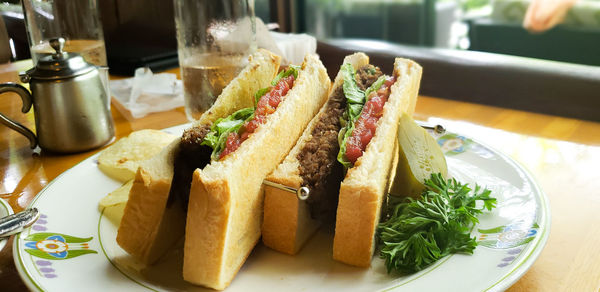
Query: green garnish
{"x": 375, "y": 86}
{"x": 420, "y": 232}
{"x": 292, "y": 69}
{"x": 351, "y": 90}
{"x": 221, "y": 128}
{"x": 355, "y": 99}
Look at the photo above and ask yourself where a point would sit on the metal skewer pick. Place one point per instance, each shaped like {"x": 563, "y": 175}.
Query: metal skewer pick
{"x": 303, "y": 193}
{"x": 438, "y": 129}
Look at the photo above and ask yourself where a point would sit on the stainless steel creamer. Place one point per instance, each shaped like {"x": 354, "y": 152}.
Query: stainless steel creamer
{"x": 71, "y": 104}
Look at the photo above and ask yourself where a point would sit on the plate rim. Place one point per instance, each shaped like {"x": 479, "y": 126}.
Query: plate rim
{"x": 525, "y": 264}
{"x": 506, "y": 281}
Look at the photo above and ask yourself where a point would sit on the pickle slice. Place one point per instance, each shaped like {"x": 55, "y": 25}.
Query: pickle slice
{"x": 419, "y": 156}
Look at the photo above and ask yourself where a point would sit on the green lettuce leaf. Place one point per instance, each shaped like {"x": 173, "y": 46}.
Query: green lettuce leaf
{"x": 221, "y": 128}
{"x": 354, "y": 111}
{"x": 292, "y": 69}
{"x": 342, "y": 138}
{"x": 351, "y": 90}
{"x": 375, "y": 86}
{"x": 355, "y": 98}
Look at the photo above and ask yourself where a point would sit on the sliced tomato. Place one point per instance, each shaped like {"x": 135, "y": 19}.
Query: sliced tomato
{"x": 366, "y": 124}
{"x": 266, "y": 105}
{"x": 353, "y": 149}
{"x": 232, "y": 143}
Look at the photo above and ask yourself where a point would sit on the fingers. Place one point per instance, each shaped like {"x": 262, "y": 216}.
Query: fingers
{"x": 545, "y": 14}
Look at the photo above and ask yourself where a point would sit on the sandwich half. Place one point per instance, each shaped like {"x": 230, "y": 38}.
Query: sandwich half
{"x": 226, "y": 197}
{"x": 319, "y": 162}
{"x": 154, "y": 220}
{"x": 288, "y": 221}
{"x": 366, "y": 183}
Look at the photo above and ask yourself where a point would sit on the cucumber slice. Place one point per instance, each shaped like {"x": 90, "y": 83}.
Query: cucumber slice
{"x": 419, "y": 156}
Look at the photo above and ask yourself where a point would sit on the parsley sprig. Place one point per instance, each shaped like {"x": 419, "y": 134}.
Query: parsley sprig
{"x": 419, "y": 232}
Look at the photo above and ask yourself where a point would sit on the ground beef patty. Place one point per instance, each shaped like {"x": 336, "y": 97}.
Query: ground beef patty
{"x": 319, "y": 168}
{"x": 189, "y": 156}
{"x": 367, "y": 75}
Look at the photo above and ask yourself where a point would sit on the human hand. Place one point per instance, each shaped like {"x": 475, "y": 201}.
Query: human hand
{"x": 545, "y": 14}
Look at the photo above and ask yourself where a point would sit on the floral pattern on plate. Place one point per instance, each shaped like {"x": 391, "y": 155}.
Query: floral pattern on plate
{"x": 56, "y": 246}
{"x": 49, "y": 246}
{"x": 453, "y": 144}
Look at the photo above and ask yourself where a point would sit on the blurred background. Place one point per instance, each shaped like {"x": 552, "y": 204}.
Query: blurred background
{"x": 481, "y": 25}
{"x": 134, "y": 26}
{"x": 472, "y": 50}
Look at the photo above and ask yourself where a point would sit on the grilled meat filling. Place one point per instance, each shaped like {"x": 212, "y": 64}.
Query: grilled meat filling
{"x": 189, "y": 156}
{"x": 367, "y": 75}
{"x": 319, "y": 168}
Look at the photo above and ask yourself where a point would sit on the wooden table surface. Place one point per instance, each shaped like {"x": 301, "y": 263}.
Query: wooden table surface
{"x": 562, "y": 154}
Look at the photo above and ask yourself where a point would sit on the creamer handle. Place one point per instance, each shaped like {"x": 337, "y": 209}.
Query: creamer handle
{"x": 27, "y": 102}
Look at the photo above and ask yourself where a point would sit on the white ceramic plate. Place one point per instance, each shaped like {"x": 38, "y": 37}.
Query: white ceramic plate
{"x": 5, "y": 210}
{"x": 73, "y": 248}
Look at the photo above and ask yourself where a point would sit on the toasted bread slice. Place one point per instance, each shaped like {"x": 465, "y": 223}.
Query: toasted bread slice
{"x": 366, "y": 184}
{"x": 288, "y": 223}
{"x": 149, "y": 225}
{"x": 226, "y": 198}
